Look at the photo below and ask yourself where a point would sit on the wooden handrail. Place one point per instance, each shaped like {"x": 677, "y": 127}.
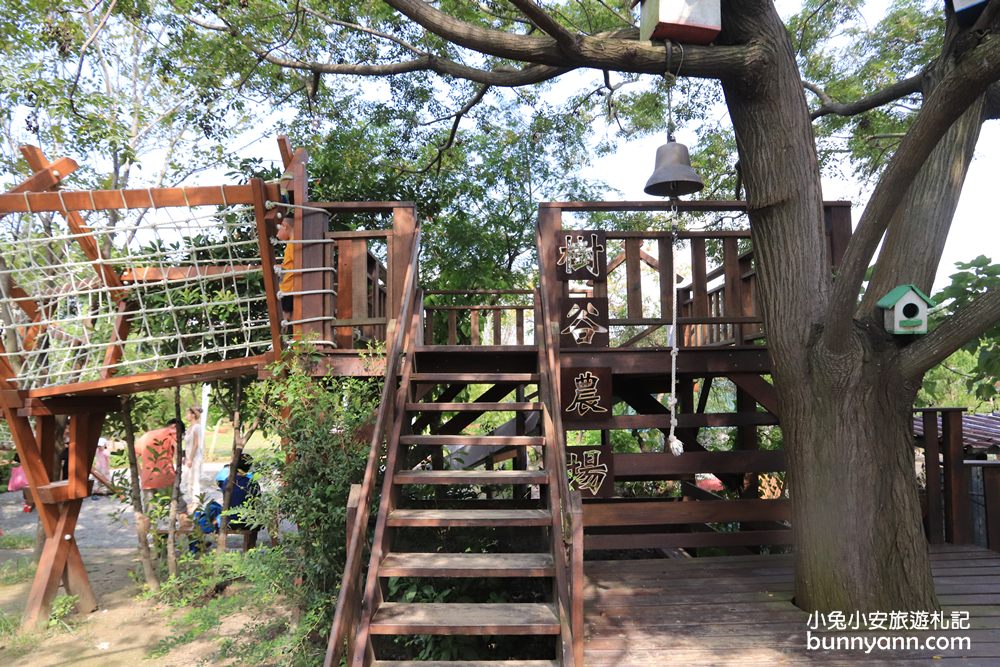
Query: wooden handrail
{"x": 566, "y": 523}
{"x": 348, "y": 603}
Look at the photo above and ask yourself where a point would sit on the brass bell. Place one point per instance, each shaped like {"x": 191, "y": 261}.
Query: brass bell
{"x": 672, "y": 173}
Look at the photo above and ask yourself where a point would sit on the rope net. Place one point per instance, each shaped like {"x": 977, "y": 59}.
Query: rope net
{"x": 134, "y": 291}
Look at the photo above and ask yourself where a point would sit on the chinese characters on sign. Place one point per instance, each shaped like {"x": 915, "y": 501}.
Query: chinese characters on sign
{"x": 582, "y": 256}
{"x": 586, "y": 393}
{"x": 586, "y": 472}
{"x": 584, "y": 322}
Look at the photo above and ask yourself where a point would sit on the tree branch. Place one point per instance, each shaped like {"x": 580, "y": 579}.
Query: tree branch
{"x": 618, "y": 50}
{"x": 966, "y": 324}
{"x": 888, "y": 94}
{"x": 956, "y": 91}
{"x": 443, "y": 147}
{"x": 564, "y": 38}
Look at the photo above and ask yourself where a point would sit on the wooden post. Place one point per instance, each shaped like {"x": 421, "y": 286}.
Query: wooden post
{"x": 345, "y": 287}
{"x": 267, "y": 262}
{"x": 991, "y": 497}
{"x": 732, "y": 302}
{"x": 633, "y": 277}
{"x": 958, "y": 524}
{"x": 932, "y": 464}
{"x": 699, "y": 286}
{"x": 404, "y": 225}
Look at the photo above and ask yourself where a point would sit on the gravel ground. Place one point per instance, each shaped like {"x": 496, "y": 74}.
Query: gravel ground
{"x": 100, "y": 526}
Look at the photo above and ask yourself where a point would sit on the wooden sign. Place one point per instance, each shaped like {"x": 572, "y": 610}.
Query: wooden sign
{"x": 591, "y": 468}
{"x": 581, "y": 255}
{"x": 586, "y": 393}
{"x": 584, "y": 323}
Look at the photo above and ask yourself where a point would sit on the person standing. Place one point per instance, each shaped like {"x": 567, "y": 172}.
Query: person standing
{"x": 194, "y": 454}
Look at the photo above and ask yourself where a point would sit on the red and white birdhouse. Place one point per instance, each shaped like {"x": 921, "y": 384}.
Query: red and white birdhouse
{"x": 684, "y": 21}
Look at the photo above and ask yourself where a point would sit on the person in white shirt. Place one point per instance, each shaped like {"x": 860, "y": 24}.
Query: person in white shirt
{"x": 193, "y": 456}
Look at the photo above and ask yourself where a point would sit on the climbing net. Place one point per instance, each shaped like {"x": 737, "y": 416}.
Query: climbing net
{"x": 129, "y": 291}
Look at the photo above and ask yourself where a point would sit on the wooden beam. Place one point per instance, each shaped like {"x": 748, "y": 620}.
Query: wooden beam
{"x": 657, "y": 465}
{"x": 760, "y": 389}
{"x": 120, "y": 386}
{"x": 34, "y": 407}
{"x": 932, "y": 465}
{"x": 655, "y": 513}
{"x": 268, "y": 263}
{"x": 110, "y": 200}
{"x": 154, "y": 274}
{"x": 286, "y": 150}
{"x": 689, "y": 540}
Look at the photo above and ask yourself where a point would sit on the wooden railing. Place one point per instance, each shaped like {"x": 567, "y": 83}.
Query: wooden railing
{"x": 496, "y": 318}
{"x": 716, "y": 307}
{"x": 349, "y": 283}
{"x": 345, "y": 620}
{"x": 949, "y": 514}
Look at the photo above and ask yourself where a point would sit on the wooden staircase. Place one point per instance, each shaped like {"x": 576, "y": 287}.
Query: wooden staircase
{"x": 491, "y": 578}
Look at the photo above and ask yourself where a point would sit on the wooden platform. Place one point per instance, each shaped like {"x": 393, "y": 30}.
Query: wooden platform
{"x": 738, "y": 610}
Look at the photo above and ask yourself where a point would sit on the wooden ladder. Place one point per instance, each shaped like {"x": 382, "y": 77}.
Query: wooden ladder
{"x": 492, "y": 525}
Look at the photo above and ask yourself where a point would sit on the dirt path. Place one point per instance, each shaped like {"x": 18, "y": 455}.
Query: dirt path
{"x": 125, "y": 629}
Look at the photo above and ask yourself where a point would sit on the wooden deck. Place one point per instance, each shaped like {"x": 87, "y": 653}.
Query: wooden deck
{"x": 738, "y": 610}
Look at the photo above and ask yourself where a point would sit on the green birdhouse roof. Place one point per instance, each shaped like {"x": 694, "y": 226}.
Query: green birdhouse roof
{"x": 890, "y": 299}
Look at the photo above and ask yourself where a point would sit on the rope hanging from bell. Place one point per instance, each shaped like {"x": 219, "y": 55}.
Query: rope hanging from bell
{"x": 674, "y": 444}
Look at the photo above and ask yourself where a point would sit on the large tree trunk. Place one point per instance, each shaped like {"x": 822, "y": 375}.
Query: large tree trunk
{"x": 845, "y": 417}
{"x": 860, "y": 543}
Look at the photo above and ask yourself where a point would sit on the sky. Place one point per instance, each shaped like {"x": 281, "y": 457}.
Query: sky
{"x": 975, "y": 230}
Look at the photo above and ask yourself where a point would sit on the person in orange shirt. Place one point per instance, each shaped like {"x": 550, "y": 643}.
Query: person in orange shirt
{"x": 156, "y": 450}
{"x": 287, "y": 284}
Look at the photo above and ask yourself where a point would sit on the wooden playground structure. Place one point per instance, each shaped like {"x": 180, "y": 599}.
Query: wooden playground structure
{"x": 568, "y": 370}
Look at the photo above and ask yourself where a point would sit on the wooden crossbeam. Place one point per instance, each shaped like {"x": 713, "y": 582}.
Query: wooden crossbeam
{"x": 110, "y": 200}
{"x": 155, "y": 275}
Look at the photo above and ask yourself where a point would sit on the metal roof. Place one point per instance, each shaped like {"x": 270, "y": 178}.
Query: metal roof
{"x": 978, "y": 431}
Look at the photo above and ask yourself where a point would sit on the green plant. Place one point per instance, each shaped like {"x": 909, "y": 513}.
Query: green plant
{"x": 62, "y": 607}
{"x": 8, "y": 624}
{"x": 16, "y": 571}
{"x": 17, "y": 541}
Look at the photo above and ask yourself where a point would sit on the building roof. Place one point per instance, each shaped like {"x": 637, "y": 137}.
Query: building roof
{"x": 978, "y": 431}
{"x": 897, "y": 293}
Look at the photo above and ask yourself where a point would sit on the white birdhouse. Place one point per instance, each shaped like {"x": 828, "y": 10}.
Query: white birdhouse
{"x": 685, "y": 21}
{"x": 905, "y": 310}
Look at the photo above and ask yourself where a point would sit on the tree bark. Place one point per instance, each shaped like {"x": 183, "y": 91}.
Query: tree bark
{"x": 175, "y": 490}
{"x": 141, "y": 520}
{"x": 845, "y": 414}
{"x": 227, "y": 492}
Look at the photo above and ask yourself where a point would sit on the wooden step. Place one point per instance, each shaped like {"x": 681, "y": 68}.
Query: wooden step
{"x": 479, "y": 477}
{"x": 426, "y": 518}
{"x": 400, "y": 618}
{"x": 473, "y": 407}
{"x": 475, "y": 378}
{"x": 467, "y": 565}
{"x": 62, "y": 491}
{"x": 465, "y": 663}
{"x": 473, "y": 440}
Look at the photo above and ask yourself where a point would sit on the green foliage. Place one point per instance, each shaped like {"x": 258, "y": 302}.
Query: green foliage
{"x": 323, "y": 425}
{"x": 17, "y": 541}
{"x": 8, "y": 625}
{"x": 62, "y": 608}
{"x": 977, "y": 365}
{"x": 16, "y": 571}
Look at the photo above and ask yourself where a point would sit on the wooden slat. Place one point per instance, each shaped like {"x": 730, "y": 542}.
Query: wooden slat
{"x": 154, "y": 274}
{"x": 467, "y": 565}
{"x": 466, "y": 477}
{"x": 668, "y": 281}
{"x": 468, "y": 518}
{"x": 474, "y": 407}
{"x": 465, "y": 663}
{"x": 689, "y": 540}
{"x": 633, "y": 277}
{"x": 652, "y": 464}
{"x": 958, "y": 524}
{"x": 155, "y": 379}
{"x": 109, "y": 200}
{"x": 684, "y": 420}
{"x": 465, "y": 619}
{"x": 475, "y": 378}
{"x": 268, "y": 262}
{"x": 657, "y": 513}
{"x": 61, "y": 491}
{"x": 473, "y": 440}
{"x": 932, "y": 463}
{"x": 760, "y": 389}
